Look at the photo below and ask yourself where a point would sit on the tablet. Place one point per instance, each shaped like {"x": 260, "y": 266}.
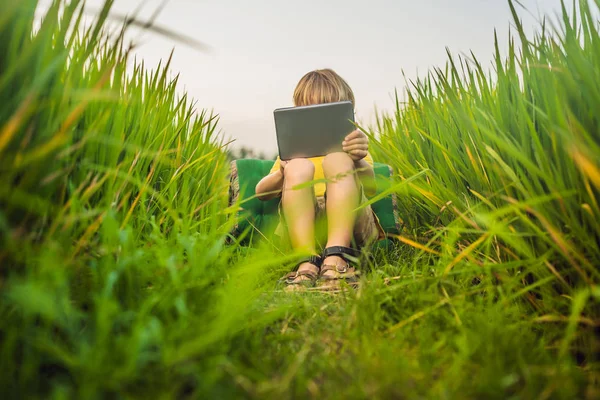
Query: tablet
{"x": 312, "y": 131}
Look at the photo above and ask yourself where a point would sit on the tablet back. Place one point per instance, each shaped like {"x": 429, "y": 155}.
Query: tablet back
{"x": 312, "y": 131}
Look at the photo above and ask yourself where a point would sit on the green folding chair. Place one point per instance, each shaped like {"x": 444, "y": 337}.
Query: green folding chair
{"x": 258, "y": 219}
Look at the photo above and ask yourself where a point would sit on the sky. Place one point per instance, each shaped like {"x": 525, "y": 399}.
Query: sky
{"x": 260, "y": 49}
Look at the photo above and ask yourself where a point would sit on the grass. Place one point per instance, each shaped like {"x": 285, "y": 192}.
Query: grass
{"x": 117, "y": 278}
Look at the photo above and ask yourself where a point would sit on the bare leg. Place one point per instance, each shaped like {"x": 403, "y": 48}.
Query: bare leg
{"x": 342, "y": 200}
{"x": 299, "y": 209}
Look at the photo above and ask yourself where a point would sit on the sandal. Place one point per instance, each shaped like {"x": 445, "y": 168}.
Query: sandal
{"x": 346, "y": 272}
{"x": 290, "y": 279}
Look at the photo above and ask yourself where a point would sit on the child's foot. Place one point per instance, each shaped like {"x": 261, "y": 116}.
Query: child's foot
{"x": 306, "y": 274}
{"x": 305, "y": 270}
{"x": 338, "y": 264}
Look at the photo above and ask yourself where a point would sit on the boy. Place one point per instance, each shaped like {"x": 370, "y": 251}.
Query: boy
{"x": 349, "y": 176}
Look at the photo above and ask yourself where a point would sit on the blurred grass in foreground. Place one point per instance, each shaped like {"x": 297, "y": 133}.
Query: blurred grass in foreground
{"x": 113, "y": 218}
{"x": 116, "y": 279}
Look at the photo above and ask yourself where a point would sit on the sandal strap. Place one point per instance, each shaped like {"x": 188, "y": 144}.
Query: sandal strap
{"x": 340, "y": 269}
{"x": 314, "y": 260}
{"x": 349, "y": 274}
{"x": 349, "y": 254}
{"x": 313, "y": 276}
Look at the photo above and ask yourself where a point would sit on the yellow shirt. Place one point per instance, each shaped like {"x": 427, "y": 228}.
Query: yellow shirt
{"x": 319, "y": 175}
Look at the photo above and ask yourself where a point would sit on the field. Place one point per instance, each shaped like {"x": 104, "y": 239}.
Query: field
{"x": 119, "y": 278}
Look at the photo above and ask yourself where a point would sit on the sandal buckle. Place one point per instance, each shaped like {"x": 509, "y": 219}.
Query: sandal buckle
{"x": 343, "y": 270}
{"x": 292, "y": 278}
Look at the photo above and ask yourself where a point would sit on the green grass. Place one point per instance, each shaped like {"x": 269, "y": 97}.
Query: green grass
{"x": 117, "y": 278}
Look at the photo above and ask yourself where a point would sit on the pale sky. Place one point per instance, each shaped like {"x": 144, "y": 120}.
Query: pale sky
{"x": 261, "y": 48}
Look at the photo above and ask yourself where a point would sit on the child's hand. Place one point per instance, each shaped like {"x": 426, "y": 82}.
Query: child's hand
{"x": 282, "y": 165}
{"x": 356, "y": 145}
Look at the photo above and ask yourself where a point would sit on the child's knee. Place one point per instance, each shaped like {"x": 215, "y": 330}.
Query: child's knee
{"x": 335, "y": 163}
{"x": 299, "y": 170}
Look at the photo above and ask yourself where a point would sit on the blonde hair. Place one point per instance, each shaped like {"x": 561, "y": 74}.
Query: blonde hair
{"x": 322, "y": 86}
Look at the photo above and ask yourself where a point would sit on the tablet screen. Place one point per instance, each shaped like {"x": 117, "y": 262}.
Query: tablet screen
{"x": 312, "y": 131}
